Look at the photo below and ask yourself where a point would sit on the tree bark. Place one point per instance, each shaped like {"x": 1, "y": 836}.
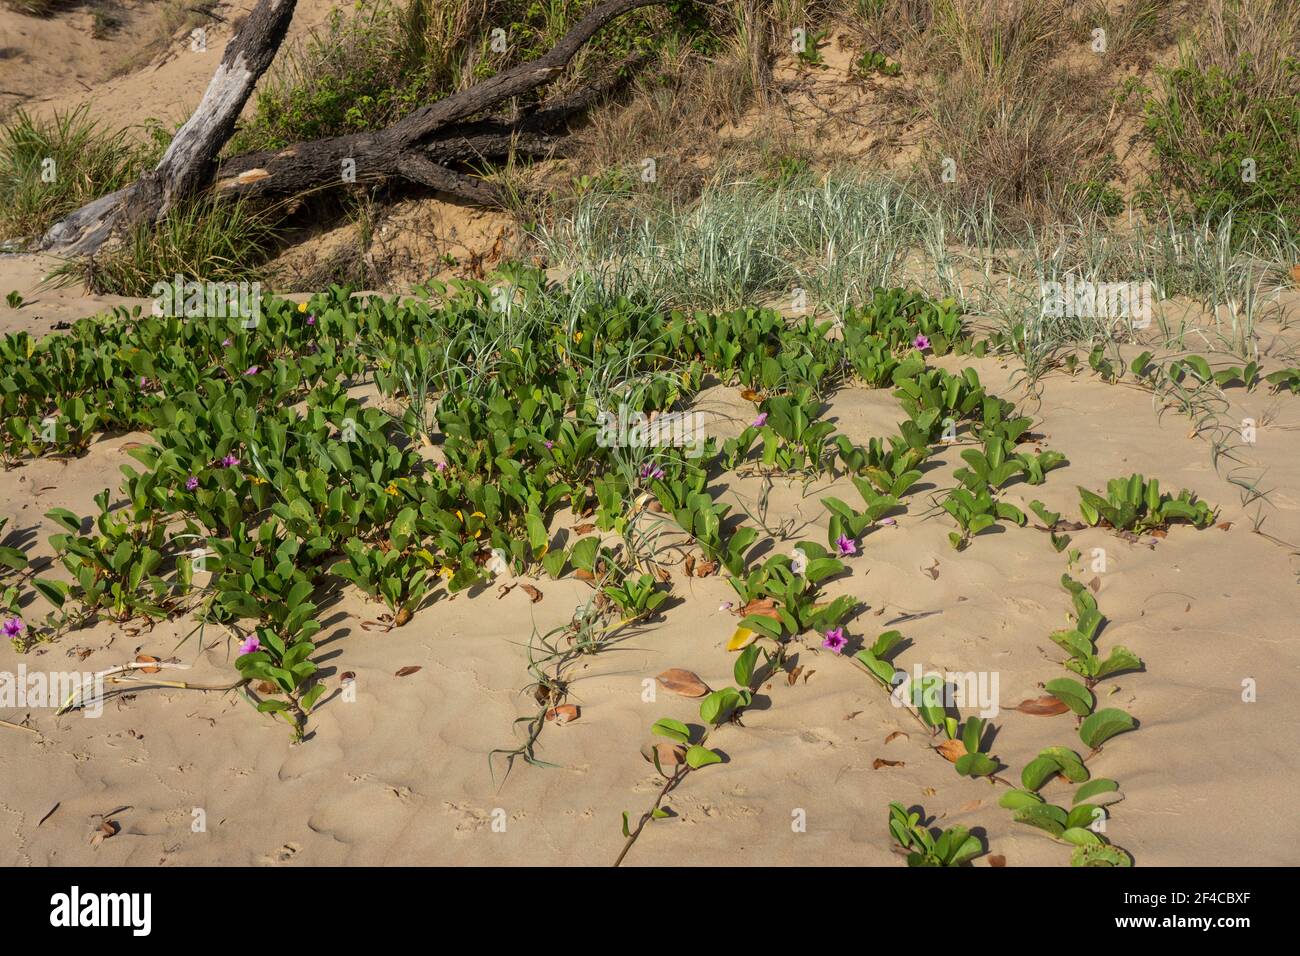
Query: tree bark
{"x": 416, "y": 148}
{"x": 190, "y": 160}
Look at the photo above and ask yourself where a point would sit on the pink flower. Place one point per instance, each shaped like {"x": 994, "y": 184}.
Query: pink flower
{"x": 251, "y": 645}
{"x": 921, "y": 342}
{"x": 226, "y": 343}
{"x": 230, "y": 461}
{"x": 649, "y": 470}
{"x": 835, "y": 640}
{"x": 725, "y": 606}
{"x": 311, "y": 320}
{"x": 442, "y": 466}
{"x": 252, "y": 370}
{"x": 14, "y": 627}
{"x": 887, "y": 521}
{"x": 549, "y": 445}
{"x": 191, "y": 482}
{"x": 846, "y": 545}
{"x": 760, "y": 421}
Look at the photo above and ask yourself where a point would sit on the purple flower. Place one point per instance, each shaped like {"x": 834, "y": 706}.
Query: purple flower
{"x": 835, "y": 640}
{"x": 143, "y": 381}
{"x": 549, "y": 445}
{"x": 14, "y": 627}
{"x": 191, "y": 482}
{"x": 311, "y": 320}
{"x": 650, "y": 470}
{"x": 226, "y": 343}
{"x": 250, "y": 645}
{"x": 846, "y": 545}
{"x": 887, "y": 521}
{"x": 230, "y": 461}
{"x": 252, "y": 370}
{"x": 760, "y": 421}
{"x": 921, "y": 342}
{"x": 442, "y": 466}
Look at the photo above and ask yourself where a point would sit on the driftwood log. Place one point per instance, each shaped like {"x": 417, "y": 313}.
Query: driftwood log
{"x": 423, "y": 147}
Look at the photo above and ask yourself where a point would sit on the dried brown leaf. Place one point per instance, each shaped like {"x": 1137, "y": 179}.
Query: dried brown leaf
{"x": 684, "y": 683}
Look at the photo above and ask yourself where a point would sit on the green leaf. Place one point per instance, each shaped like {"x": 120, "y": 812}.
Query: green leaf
{"x": 697, "y": 757}
{"x": 1103, "y": 725}
{"x": 976, "y": 765}
{"x": 1094, "y": 787}
{"x": 1019, "y": 799}
{"x": 672, "y": 729}
{"x": 1038, "y": 771}
{"x": 1071, "y": 693}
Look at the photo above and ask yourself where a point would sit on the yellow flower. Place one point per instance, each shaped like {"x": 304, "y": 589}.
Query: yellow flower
{"x": 302, "y": 306}
{"x": 478, "y": 514}
{"x": 391, "y": 489}
{"x": 577, "y": 336}
{"x": 256, "y": 480}
{"x": 445, "y": 571}
{"x": 460, "y": 516}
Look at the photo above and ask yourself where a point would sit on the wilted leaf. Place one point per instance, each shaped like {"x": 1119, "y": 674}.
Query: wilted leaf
{"x": 741, "y": 639}
{"x": 793, "y": 675}
{"x": 763, "y": 607}
{"x": 670, "y": 755}
{"x": 408, "y": 670}
{"x": 146, "y": 659}
{"x": 563, "y": 714}
{"x": 749, "y": 395}
{"x": 882, "y": 762}
{"x": 1224, "y": 525}
{"x": 1046, "y": 706}
{"x": 584, "y": 529}
{"x": 534, "y": 595}
{"x": 690, "y": 565}
{"x": 705, "y": 568}
{"x": 997, "y": 860}
{"x": 895, "y": 735}
{"x": 684, "y": 683}
{"x": 952, "y": 750}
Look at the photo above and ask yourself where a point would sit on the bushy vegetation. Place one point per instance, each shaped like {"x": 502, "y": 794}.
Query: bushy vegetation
{"x": 367, "y": 70}
{"x": 49, "y": 167}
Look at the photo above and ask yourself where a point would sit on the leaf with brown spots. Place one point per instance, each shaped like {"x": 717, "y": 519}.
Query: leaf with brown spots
{"x": 684, "y": 683}
{"x": 1045, "y": 706}
{"x": 265, "y": 688}
{"x": 563, "y": 714}
{"x": 705, "y": 568}
{"x": 882, "y": 762}
{"x": 408, "y": 670}
{"x": 534, "y": 595}
{"x": 952, "y": 750}
{"x": 584, "y": 529}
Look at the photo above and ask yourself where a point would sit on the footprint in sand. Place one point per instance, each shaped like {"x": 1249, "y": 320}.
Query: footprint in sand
{"x": 280, "y": 857}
